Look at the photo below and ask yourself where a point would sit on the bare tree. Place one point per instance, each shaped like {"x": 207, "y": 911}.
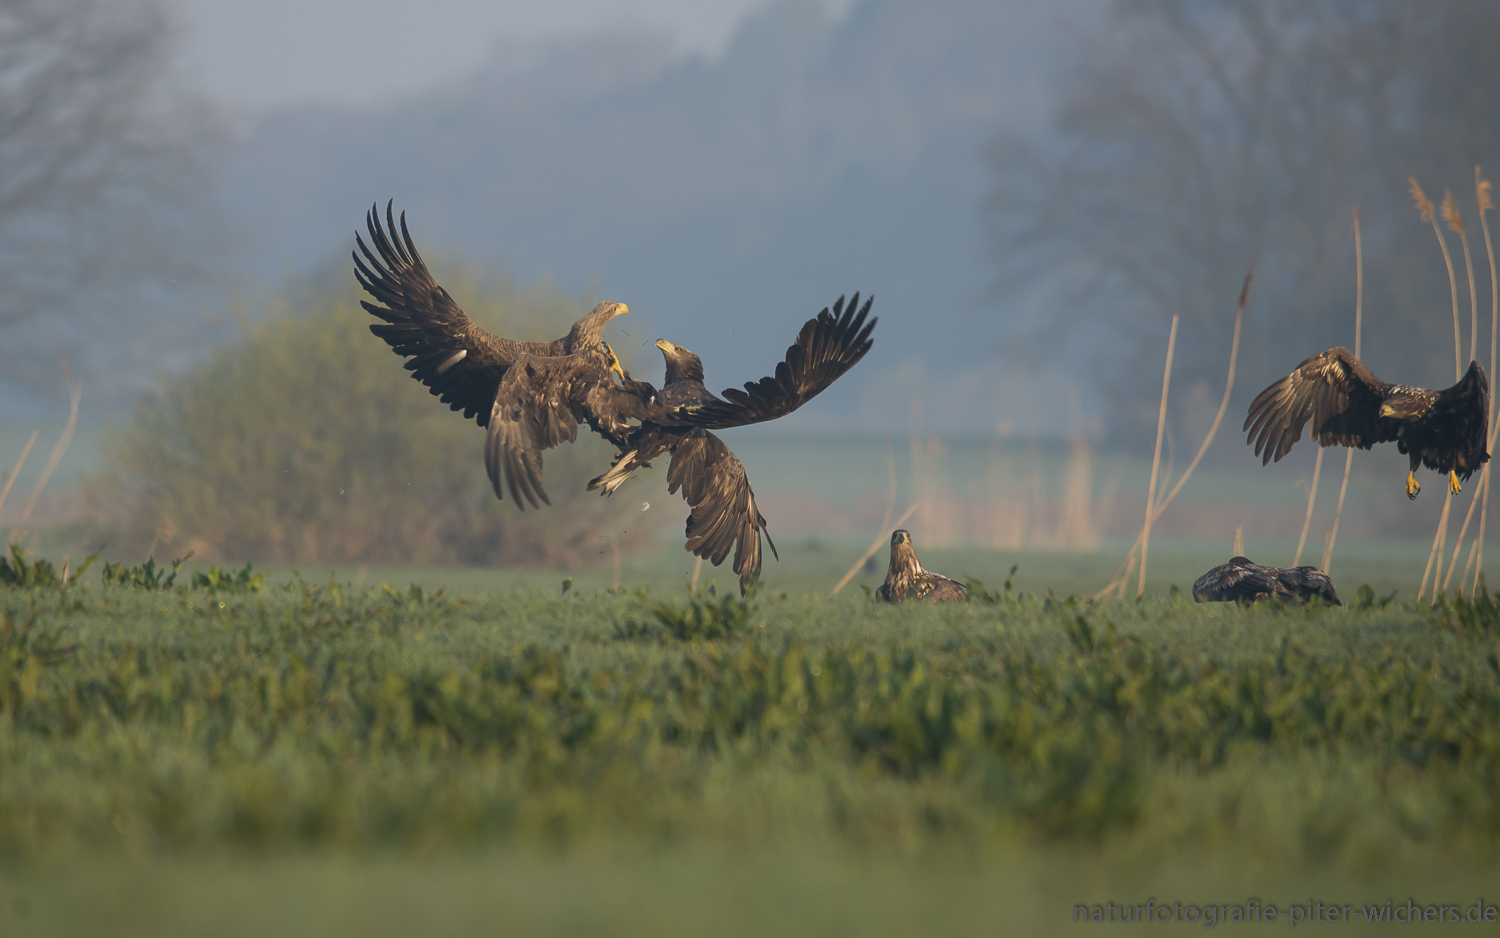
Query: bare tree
{"x": 101, "y": 171}
{"x": 1194, "y": 138}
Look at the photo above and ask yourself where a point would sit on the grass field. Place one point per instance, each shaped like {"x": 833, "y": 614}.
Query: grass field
{"x": 325, "y": 758}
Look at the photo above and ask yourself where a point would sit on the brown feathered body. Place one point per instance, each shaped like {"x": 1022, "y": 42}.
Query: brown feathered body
{"x": 906, "y": 578}
{"x": 1241, "y": 579}
{"x": 1446, "y": 431}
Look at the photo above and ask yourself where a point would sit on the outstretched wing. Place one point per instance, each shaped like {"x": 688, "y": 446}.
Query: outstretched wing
{"x": 461, "y": 363}
{"x": 533, "y": 411}
{"x": 722, "y": 510}
{"x": 829, "y": 344}
{"x": 1333, "y": 390}
{"x": 1461, "y": 417}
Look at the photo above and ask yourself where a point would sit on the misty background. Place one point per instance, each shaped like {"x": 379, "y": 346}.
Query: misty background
{"x": 1030, "y": 191}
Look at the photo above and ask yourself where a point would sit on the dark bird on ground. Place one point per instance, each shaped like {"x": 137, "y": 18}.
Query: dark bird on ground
{"x": 906, "y": 578}
{"x": 677, "y": 420}
{"x": 1446, "y": 431}
{"x": 531, "y": 396}
{"x": 1243, "y": 580}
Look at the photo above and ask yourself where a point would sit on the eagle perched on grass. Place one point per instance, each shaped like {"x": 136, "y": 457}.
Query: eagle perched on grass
{"x": 1242, "y": 579}
{"x": 907, "y": 579}
{"x": 1443, "y": 430}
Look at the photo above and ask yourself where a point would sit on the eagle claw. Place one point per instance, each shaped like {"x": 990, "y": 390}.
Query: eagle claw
{"x": 1453, "y": 483}
{"x": 1412, "y": 486}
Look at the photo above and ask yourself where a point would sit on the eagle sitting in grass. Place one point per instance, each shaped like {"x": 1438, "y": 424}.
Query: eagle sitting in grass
{"x": 1446, "y": 431}
{"x": 906, "y": 578}
{"x": 677, "y": 419}
{"x": 1241, "y": 580}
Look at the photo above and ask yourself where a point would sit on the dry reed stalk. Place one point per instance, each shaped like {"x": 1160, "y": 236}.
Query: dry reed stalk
{"x": 1482, "y": 196}
{"x": 75, "y": 394}
{"x": 1458, "y": 545}
{"x": 1437, "y": 551}
{"x": 1424, "y": 207}
{"x": 1122, "y": 574}
{"x": 697, "y": 571}
{"x": 1239, "y": 542}
{"x": 1161, "y": 424}
{"x": 1359, "y": 323}
{"x": 1312, "y": 496}
{"x": 11, "y": 479}
{"x": 1234, "y": 352}
{"x": 870, "y": 551}
{"x": 1455, "y": 221}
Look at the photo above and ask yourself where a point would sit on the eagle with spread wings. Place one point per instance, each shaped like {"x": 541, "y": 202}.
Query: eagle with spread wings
{"x": 1446, "y": 431}
{"x": 678, "y": 418}
{"x": 532, "y": 396}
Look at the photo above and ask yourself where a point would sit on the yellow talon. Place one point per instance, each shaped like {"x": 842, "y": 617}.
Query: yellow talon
{"x": 1412, "y": 485}
{"x": 1453, "y": 485}
{"x": 614, "y": 362}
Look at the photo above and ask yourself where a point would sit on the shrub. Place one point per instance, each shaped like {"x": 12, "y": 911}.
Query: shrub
{"x": 304, "y": 440}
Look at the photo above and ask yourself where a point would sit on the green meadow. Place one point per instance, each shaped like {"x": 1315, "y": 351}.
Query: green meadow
{"x": 322, "y": 755}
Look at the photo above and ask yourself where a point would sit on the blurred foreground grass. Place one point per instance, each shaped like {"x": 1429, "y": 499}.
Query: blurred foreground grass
{"x": 326, "y": 759}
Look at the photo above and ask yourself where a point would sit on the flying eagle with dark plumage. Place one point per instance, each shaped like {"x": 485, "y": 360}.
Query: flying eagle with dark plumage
{"x": 531, "y": 396}
{"x": 1446, "y": 431}
{"x": 677, "y": 420}
{"x": 1243, "y": 580}
{"x": 907, "y": 579}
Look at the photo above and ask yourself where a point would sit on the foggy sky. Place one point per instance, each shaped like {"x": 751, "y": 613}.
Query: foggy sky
{"x": 280, "y": 52}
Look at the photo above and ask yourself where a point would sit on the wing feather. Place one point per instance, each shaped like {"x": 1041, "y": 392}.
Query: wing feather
{"x": 460, "y": 363}
{"x": 1333, "y": 390}
{"x": 828, "y": 345}
{"x": 722, "y": 510}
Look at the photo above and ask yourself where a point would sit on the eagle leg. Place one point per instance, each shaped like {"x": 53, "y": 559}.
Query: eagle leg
{"x": 1412, "y": 485}
{"x": 1453, "y": 485}
{"x": 614, "y": 361}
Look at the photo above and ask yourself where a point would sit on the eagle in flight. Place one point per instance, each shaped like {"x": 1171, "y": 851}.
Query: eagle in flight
{"x": 1446, "y": 431}
{"x": 532, "y": 396}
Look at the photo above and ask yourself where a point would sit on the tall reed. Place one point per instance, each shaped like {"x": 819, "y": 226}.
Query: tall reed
{"x": 1424, "y": 208}
{"x": 1161, "y": 424}
{"x": 1455, "y": 221}
{"x": 1122, "y": 574}
{"x": 1359, "y": 322}
{"x": 1312, "y": 495}
{"x": 1482, "y": 196}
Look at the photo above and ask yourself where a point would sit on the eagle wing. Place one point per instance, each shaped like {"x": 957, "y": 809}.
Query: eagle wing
{"x": 1333, "y": 390}
{"x": 537, "y": 406}
{"x": 1307, "y": 582}
{"x": 459, "y": 362}
{"x": 1461, "y": 417}
{"x": 1232, "y": 581}
{"x": 829, "y": 344}
{"x": 722, "y": 509}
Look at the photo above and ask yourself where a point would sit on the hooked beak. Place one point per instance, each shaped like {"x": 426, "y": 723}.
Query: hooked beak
{"x": 665, "y": 346}
{"x": 1386, "y": 410}
{"x": 620, "y": 310}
